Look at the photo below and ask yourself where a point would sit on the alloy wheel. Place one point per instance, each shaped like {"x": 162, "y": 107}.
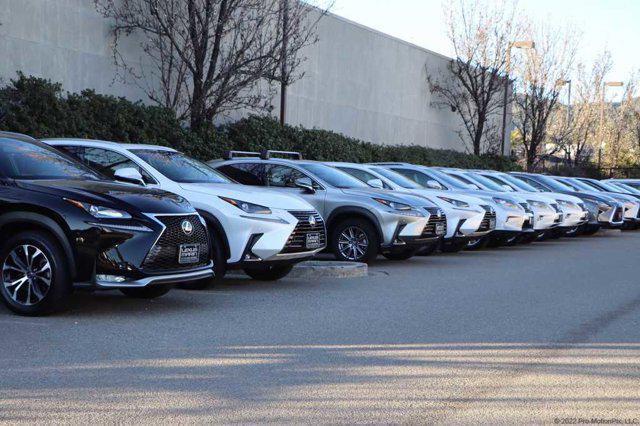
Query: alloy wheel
{"x": 26, "y": 274}
{"x": 353, "y": 243}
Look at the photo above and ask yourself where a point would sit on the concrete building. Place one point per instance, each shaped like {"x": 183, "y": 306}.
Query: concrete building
{"x": 358, "y": 81}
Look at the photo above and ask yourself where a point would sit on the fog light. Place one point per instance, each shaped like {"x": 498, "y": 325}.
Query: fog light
{"x": 111, "y": 278}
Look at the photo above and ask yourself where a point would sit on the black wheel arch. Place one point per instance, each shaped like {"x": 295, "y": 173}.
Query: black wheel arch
{"x": 354, "y": 212}
{"x": 217, "y": 227}
{"x": 41, "y": 221}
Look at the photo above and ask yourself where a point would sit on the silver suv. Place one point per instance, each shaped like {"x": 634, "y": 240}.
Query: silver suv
{"x": 361, "y": 221}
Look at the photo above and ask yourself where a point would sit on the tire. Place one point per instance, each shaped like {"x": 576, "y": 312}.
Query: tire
{"x": 495, "y": 242}
{"x": 219, "y": 265}
{"x": 341, "y": 234}
{"x": 477, "y": 244}
{"x": 590, "y": 230}
{"x": 269, "y": 273}
{"x": 401, "y": 255}
{"x": 428, "y": 250}
{"x": 50, "y": 277}
{"x": 150, "y": 292}
{"x": 573, "y": 232}
{"x": 511, "y": 241}
{"x": 528, "y": 238}
{"x": 453, "y": 246}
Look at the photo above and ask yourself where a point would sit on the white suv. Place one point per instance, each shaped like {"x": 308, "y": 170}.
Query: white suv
{"x": 261, "y": 231}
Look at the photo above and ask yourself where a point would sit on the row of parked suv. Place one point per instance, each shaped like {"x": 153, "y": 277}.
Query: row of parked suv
{"x": 142, "y": 218}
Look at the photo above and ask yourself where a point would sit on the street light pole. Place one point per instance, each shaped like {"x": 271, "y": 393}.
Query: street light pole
{"x": 527, "y": 44}
{"x": 601, "y": 125}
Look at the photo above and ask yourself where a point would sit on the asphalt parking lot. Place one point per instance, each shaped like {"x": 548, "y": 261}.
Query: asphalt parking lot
{"x": 526, "y": 334}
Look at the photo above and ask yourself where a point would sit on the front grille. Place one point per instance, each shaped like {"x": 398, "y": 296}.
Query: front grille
{"x": 489, "y": 216}
{"x": 163, "y": 256}
{"x": 617, "y": 215}
{"x": 526, "y": 207}
{"x": 436, "y": 216}
{"x": 297, "y": 241}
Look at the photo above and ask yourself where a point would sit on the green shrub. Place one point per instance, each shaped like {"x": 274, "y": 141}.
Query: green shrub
{"x": 40, "y": 108}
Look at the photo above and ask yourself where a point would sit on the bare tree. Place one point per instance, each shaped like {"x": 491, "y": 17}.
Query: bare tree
{"x": 619, "y": 128}
{"x": 203, "y": 58}
{"x": 582, "y": 141}
{"x": 538, "y": 91}
{"x": 480, "y": 32}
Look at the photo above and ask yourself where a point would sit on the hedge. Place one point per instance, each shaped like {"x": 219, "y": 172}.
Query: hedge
{"x": 40, "y": 108}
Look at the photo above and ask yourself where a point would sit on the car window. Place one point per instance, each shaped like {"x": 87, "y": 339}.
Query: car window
{"x": 499, "y": 181}
{"x": 28, "y": 160}
{"x": 179, "y": 167}
{"x": 106, "y": 161}
{"x": 280, "y": 176}
{"x": 397, "y": 178}
{"x": 246, "y": 173}
{"x": 363, "y": 175}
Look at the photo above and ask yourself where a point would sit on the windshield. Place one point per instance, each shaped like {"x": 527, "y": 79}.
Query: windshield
{"x": 450, "y": 181}
{"x": 35, "y": 161}
{"x": 608, "y": 186}
{"x": 580, "y": 186}
{"x": 334, "y": 177}
{"x": 628, "y": 188}
{"x": 518, "y": 183}
{"x": 396, "y": 178}
{"x": 180, "y": 168}
{"x": 487, "y": 183}
{"x": 555, "y": 184}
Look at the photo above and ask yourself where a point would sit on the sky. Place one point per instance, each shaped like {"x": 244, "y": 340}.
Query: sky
{"x": 610, "y": 24}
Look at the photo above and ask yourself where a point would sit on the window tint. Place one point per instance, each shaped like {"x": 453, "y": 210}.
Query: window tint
{"x": 106, "y": 161}
{"x": 180, "y": 168}
{"x": 363, "y": 175}
{"x": 501, "y": 182}
{"x": 246, "y": 173}
{"x": 27, "y": 160}
{"x": 285, "y": 177}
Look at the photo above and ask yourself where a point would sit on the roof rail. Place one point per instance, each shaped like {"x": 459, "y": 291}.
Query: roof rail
{"x": 229, "y": 155}
{"x": 267, "y": 154}
{"x": 389, "y": 163}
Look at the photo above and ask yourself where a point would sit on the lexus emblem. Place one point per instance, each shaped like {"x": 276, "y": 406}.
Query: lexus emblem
{"x": 312, "y": 221}
{"x": 187, "y": 227}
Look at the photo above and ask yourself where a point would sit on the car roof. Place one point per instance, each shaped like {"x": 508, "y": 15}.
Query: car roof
{"x": 105, "y": 144}
{"x": 18, "y": 136}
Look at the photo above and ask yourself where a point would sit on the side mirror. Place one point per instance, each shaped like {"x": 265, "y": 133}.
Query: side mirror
{"x": 306, "y": 184}
{"x": 434, "y": 184}
{"x": 129, "y": 175}
{"x": 375, "y": 183}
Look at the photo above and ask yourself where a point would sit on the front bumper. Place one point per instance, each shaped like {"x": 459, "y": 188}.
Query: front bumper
{"x": 169, "y": 278}
{"x": 278, "y": 238}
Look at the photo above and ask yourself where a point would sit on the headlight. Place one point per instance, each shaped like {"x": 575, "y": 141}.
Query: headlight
{"x": 507, "y": 203}
{"x": 399, "y": 208}
{"x": 456, "y": 203}
{"x": 247, "y": 207}
{"x": 100, "y": 212}
{"x": 539, "y": 204}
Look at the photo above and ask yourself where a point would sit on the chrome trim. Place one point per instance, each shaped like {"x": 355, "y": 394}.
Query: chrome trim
{"x": 141, "y": 228}
{"x": 179, "y": 277}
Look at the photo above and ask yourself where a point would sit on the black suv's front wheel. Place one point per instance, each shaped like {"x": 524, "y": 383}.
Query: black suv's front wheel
{"x": 354, "y": 240}
{"x": 269, "y": 273}
{"x": 34, "y": 276}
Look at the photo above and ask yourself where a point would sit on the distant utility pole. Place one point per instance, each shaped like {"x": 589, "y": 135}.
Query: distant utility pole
{"x": 283, "y": 65}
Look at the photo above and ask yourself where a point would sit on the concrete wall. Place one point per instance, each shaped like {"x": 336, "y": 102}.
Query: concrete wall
{"x": 358, "y": 81}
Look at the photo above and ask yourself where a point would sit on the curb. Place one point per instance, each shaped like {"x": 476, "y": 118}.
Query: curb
{"x": 314, "y": 269}
{"x": 329, "y": 269}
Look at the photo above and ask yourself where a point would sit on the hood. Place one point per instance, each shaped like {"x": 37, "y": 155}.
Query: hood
{"x": 121, "y": 196}
{"x": 433, "y": 194}
{"x": 486, "y": 195}
{"x": 405, "y": 198}
{"x": 565, "y": 197}
{"x": 253, "y": 194}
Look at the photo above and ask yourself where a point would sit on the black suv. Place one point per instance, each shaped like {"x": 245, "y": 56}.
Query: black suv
{"x": 62, "y": 223}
